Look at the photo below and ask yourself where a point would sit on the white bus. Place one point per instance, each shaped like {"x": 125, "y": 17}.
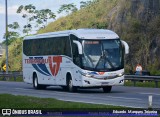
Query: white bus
{"x": 82, "y": 58}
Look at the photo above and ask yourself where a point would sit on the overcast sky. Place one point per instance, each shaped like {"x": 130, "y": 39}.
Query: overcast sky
{"x": 53, "y": 5}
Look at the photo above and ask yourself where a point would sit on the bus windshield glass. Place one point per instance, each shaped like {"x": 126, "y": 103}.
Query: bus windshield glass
{"x": 103, "y": 55}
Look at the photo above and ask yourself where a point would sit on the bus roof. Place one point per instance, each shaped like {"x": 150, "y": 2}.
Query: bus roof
{"x": 80, "y": 33}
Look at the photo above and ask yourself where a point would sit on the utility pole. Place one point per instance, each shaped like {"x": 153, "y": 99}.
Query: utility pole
{"x": 6, "y": 37}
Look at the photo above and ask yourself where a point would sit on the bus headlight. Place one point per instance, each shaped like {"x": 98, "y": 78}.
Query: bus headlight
{"x": 121, "y": 74}
{"x": 89, "y": 75}
{"x": 86, "y": 74}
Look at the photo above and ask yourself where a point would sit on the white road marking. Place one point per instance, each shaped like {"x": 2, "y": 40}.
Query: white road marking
{"x": 90, "y": 102}
{"x": 23, "y": 89}
{"x": 83, "y": 96}
{"x": 150, "y": 93}
{"x": 125, "y": 98}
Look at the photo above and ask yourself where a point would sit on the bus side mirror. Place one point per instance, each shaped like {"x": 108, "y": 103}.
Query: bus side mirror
{"x": 126, "y": 47}
{"x": 79, "y": 46}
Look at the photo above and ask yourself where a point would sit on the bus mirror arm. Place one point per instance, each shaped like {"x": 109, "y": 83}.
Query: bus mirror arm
{"x": 79, "y": 46}
{"x": 126, "y": 47}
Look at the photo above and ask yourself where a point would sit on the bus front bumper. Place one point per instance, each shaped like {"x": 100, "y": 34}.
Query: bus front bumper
{"x": 95, "y": 82}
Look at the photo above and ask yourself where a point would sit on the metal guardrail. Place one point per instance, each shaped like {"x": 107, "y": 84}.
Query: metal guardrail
{"x": 133, "y": 78}
{"x": 136, "y": 78}
{"x": 13, "y": 74}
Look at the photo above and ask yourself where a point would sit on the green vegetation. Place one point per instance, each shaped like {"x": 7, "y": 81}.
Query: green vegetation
{"x": 11, "y": 101}
{"x": 17, "y": 79}
{"x": 48, "y": 104}
{"x": 35, "y": 18}
{"x": 142, "y": 84}
{"x": 92, "y": 16}
{"x": 137, "y": 24}
{"x": 15, "y": 56}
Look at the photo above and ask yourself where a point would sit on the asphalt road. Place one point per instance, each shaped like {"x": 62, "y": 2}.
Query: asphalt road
{"x": 120, "y": 96}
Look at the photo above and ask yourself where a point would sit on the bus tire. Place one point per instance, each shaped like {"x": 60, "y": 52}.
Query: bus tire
{"x": 70, "y": 86}
{"x": 35, "y": 83}
{"x": 64, "y": 88}
{"x": 107, "y": 89}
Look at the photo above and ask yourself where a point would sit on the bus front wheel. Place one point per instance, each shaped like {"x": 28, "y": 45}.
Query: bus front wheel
{"x": 107, "y": 89}
{"x": 70, "y": 86}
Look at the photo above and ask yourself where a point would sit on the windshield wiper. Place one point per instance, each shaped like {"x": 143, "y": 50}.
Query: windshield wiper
{"x": 98, "y": 61}
{"x": 110, "y": 63}
{"x": 103, "y": 56}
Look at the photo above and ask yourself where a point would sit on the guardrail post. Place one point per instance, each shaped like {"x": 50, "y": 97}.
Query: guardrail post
{"x": 156, "y": 83}
{"x": 150, "y": 101}
{"x": 4, "y": 78}
{"x": 134, "y": 83}
{"x": 14, "y": 75}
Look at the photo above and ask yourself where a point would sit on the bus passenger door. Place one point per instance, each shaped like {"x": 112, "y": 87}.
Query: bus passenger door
{"x": 76, "y": 63}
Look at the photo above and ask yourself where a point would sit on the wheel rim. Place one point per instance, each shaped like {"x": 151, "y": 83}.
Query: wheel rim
{"x": 70, "y": 85}
{"x": 35, "y": 82}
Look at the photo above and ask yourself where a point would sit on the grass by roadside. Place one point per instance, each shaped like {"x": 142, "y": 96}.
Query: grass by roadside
{"x": 17, "y": 79}
{"x": 12, "y": 101}
{"x": 142, "y": 84}
{"x": 8, "y": 101}
{"x": 26, "y": 102}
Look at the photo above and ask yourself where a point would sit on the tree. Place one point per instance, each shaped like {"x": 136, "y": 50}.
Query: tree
{"x": 85, "y": 4}
{"x": 43, "y": 15}
{"x": 29, "y": 8}
{"x": 15, "y": 25}
{"x": 28, "y": 12}
{"x": 35, "y": 18}
{"x": 67, "y": 8}
{"x": 12, "y": 35}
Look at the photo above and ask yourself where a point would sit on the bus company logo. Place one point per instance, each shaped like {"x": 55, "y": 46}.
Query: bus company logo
{"x": 39, "y": 63}
{"x": 54, "y": 64}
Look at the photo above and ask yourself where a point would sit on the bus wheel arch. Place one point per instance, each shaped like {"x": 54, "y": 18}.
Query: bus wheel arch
{"x": 69, "y": 82}
{"x": 36, "y": 85}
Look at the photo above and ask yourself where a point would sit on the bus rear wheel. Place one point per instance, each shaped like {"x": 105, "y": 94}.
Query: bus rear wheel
{"x": 64, "y": 88}
{"x": 107, "y": 89}
{"x": 70, "y": 86}
{"x": 36, "y": 85}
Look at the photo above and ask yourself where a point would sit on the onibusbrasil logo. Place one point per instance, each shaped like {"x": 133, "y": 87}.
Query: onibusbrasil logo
{"x": 6, "y": 112}
{"x": 9, "y": 112}
{"x": 39, "y": 63}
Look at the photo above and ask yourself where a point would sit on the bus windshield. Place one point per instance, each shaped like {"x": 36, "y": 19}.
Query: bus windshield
{"x": 104, "y": 55}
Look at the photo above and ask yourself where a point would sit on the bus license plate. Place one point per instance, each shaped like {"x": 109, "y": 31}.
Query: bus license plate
{"x": 104, "y": 83}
